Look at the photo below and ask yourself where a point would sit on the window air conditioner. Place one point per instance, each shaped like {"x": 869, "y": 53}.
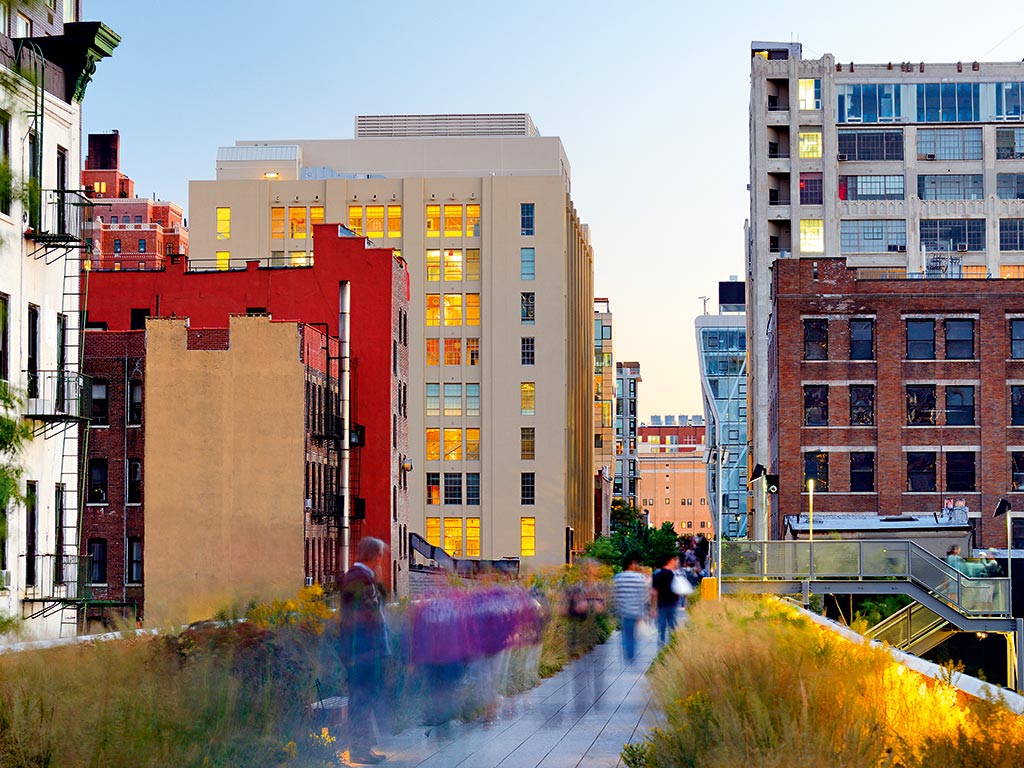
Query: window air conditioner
{"x": 961, "y": 247}
{"x": 842, "y": 156}
{"x": 929, "y": 156}
{"x": 309, "y": 581}
{"x": 902, "y": 248}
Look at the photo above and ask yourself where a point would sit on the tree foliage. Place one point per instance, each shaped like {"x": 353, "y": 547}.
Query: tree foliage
{"x": 631, "y": 536}
{"x": 14, "y": 433}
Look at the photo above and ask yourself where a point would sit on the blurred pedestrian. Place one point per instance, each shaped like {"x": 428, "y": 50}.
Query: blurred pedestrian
{"x": 631, "y": 594}
{"x": 584, "y": 600}
{"x": 666, "y": 589}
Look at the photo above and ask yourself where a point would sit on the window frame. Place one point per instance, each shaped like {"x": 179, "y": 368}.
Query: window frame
{"x": 922, "y": 347}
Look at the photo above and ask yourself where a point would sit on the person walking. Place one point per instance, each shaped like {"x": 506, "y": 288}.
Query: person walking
{"x": 631, "y": 593}
{"x": 665, "y": 591}
{"x": 364, "y": 647}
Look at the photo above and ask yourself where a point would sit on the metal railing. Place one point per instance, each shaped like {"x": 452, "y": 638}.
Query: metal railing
{"x": 56, "y": 215}
{"x": 866, "y": 560}
{"x": 909, "y": 625}
{"x": 58, "y": 396}
{"x": 51, "y": 577}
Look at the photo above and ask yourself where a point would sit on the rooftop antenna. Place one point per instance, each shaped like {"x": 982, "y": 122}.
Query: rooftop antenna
{"x": 705, "y": 299}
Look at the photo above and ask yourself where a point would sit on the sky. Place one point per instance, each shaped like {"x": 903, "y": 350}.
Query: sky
{"x": 650, "y": 100}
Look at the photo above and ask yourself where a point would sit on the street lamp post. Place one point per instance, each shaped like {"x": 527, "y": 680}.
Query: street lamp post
{"x": 810, "y": 508}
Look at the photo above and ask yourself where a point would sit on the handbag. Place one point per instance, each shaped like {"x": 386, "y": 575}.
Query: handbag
{"x": 681, "y": 586}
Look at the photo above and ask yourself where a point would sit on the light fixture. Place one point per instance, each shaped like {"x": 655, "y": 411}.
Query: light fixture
{"x": 296, "y": 198}
{"x": 277, "y": 198}
{"x": 433, "y": 196}
{"x": 407, "y": 466}
{"x": 355, "y": 197}
{"x": 271, "y": 175}
{"x": 759, "y": 471}
{"x": 394, "y": 196}
{"x": 316, "y": 197}
{"x": 451, "y": 196}
{"x": 374, "y": 197}
{"x": 472, "y": 195}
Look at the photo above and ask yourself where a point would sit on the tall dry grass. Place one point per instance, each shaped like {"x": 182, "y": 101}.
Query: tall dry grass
{"x": 752, "y": 682}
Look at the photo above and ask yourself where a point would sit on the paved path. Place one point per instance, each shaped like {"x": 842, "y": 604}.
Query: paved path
{"x": 581, "y": 717}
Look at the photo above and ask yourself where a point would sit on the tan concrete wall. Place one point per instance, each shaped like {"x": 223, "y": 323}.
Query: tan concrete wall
{"x": 673, "y": 488}
{"x": 224, "y": 490}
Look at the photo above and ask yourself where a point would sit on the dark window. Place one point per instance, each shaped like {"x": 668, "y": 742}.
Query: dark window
{"x": 134, "y": 403}
{"x": 473, "y": 489}
{"x": 134, "y": 481}
{"x": 97, "y": 561}
{"x": 862, "y": 339}
{"x": 117, "y": 246}
{"x": 5, "y": 156}
{"x": 134, "y": 560}
{"x": 920, "y": 471}
{"x": 97, "y": 492}
{"x": 920, "y": 339}
{"x": 527, "y": 489}
{"x": 953, "y": 234}
{"x": 921, "y": 404}
{"x": 1017, "y": 470}
{"x": 433, "y": 488}
{"x": 33, "y": 350}
{"x": 526, "y": 218}
{"x": 959, "y": 339}
{"x": 1017, "y": 406}
{"x": 816, "y": 469}
{"x": 142, "y": 246}
{"x": 871, "y": 145}
{"x": 960, "y": 471}
{"x": 960, "y": 406}
{"x": 138, "y": 318}
{"x": 816, "y": 339}
{"x": 31, "y": 531}
{"x": 816, "y": 405}
{"x": 811, "y": 189}
{"x": 100, "y": 404}
{"x": 1016, "y": 338}
{"x": 1011, "y": 234}
{"x": 452, "y": 487}
{"x": 58, "y": 530}
{"x": 527, "y": 308}
{"x": 526, "y": 350}
{"x": 862, "y": 405}
{"x": 862, "y": 472}
{"x": 5, "y": 338}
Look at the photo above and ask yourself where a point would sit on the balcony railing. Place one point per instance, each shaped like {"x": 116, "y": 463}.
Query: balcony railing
{"x": 52, "y": 577}
{"x": 56, "y": 216}
{"x": 58, "y": 396}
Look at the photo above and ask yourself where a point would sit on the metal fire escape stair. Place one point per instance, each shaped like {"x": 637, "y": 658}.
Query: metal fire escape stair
{"x": 914, "y": 628}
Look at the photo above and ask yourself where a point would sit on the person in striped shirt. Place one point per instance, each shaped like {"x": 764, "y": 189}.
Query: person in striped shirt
{"x": 630, "y": 593}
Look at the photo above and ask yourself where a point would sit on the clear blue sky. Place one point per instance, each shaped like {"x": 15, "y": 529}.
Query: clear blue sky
{"x": 650, "y": 100}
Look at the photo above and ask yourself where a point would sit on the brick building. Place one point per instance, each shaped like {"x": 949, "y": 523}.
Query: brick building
{"x": 125, "y": 231}
{"x": 377, "y": 365}
{"x": 673, "y": 474}
{"x": 903, "y": 399}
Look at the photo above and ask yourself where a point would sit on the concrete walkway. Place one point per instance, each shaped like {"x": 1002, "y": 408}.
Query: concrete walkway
{"x": 581, "y": 717}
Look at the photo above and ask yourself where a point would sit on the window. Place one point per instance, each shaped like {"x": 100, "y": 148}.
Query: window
{"x": 527, "y": 443}
{"x": 434, "y": 531}
{"x": 816, "y": 339}
{"x": 527, "y": 536}
{"x": 473, "y": 524}
{"x": 223, "y": 260}
{"x": 871, "y": 188}
{"x": 812, "y": 190}
{"x": 453, "y": 309}
{"x": 452, "y": 399}
{"x": 277, "y": 223}
{"x": 862, "y": 472}
{"x": 5, "y": 337}
{"x": 452, "y": 264}
{"x": 869, "y": 103}
{"x": 433, "y": 309}
{"x": 394, "y": 221}
{"x": 920, "y": 339}
{"x": 473, "y": 220}
{"x": 134, "y": 482}
{"x": 809, "y": 94}
{"x": 433, "y": 489}
{"x": 527, "y": 488}
{"x": 453, "y": 444}
{"x": 960, "y": 475}
{"x": 97, "y": 561}
{"x": 97, "y": 492}
{"x": 473, "y": 351}
{"x": 472, "y": 265}
{"x": 527, "y": 308}
{"x": 527, "y": 398}
{"x": 921, "y": 404}
{"x": 472, "y": 444}
{"x": 871, "y": 145}
{"x": 952, "y": 187}
{"x": 816, "y": 468}
{"x": 948, "y": 102}
{"x": 1017, "y": 406}
{"x": 355, "y": 219}
{"x": 1011, "y": 234}
{"x": 452, "y": 489}
{"x": 959, "y": 339}
{"x": 872, "y": 235}
{"x": 526, "y": 219}
{"x": 142, "y": 246}
{"x": 862, "y": 339}
{"x": 472, "y": 399}
{"x": 809, "y": 142}
{"x": 1017, "y": 470}
{"x": 433, "y": 351}
{"x": 22, "y": 26}
{"x": 960, "y": 406}
{"x": 1016, "y": 337}
{"x": 526, "y": 350}
{"x": 953, "y": 234}
{"x": 816, "y": 405}
{"x": 527, "y": 265}
{"x": 375, "y": 221}
{"x": 472, "y": 309}
{"x": 812, "y": 235}
{"x": 316, "y": 216}
{"x": 433, "y": 444}
{"x": 100, "y": 404}
{"x": 453, "y": 351}
{"x": 453, "y": 534}
{"x": 297, "y": 223}
{"x": 949, "y": 143}
{"x": 1009, "y": 143}
{"x": 223, "y": 224}
{"x": 862, "y": 405}
{"x": 117, "y": 245}
{"x": 433, "y": 399}
{"x": 453, "y": 221}
{"x": 134, "y": 560}
{"x": 433, "y": 221}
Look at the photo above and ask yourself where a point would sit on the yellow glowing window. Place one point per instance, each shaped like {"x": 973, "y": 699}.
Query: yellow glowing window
{"x": 810, "y": 144}
{"x": 277, "y": 223}
{"x": 433, "y": 444}
{"x": 527, "y": 398}
{"x": 452, "y": 264}
{"x": 434, "y": 529}
{"x": 528, "y": 536}
{"x": 355, "y": 218}
{"x": 809, "y": 94}
{"x": 297, "y": 223}
{"x": 433, "y": 309}
{"x": 472, "y": 221}
{"x": 223, "y": 223}
{"x": 606, "y": 414}
{"x": 473, "y": 351}
{"x": 453, "y": 351}
{"x": 453, "y": 309}
{"x": 433, "y": 266}
{"x": 472, "y": 309}
{"x": 472, "y": 537}
{"x": 453, "y": 536}
{"x": 316, "y": 216}
{"x": 812, "y": 236}
{"x": 453, "y": 221}
{"x": 452, "y": 445}
{"x": 433, "y": 351}
{"x": 1011, "y": 271}
{"x": 527, "y": 443}
{"x": 299, "y": 258}
{"x": 433, "y": 221}
{"x": 223, "y": 259}
{"x": 99, "y": 187}
{"x": 394, "y": 221}
{"x": 375, "y": 221}
{"x": 473, "y": 444}
{"x": 472, "y": 264}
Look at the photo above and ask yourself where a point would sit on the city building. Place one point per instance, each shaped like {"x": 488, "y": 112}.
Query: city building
{"x": 722, "y": 356}
{"x": 501, "y": 285}
{"x": 40, "y": 245}
{"x": 354, "y": 454}
{"x": 604, "y": 409}
{"x": 902, "y": 169}
{"x": 910, "y": 395}
{"x": 673, "y": 476}
{"x": 123, "y": 231}
{"x": 627, "y": 466}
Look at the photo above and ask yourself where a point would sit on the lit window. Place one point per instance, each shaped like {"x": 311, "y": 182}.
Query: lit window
{"x": 277, "y": 223}
{"x": 433, "y": 221}
{"x": 433, "y": 266}
{"x": 527, "y": 443}
{"x": 375, "y": 221}
{"x": 472, "y": 523}
{"x": 472, "y": 443}
{"x": 527, "y": 268}
{"x": 453, "y": 221}
{"x": 472, "y": 399}
{"x": 297, "y": 223}
{"x": 472, "y": 309}
{"x": 472, "y": 264}
{"x": 394, "y": 221}
{"x": 434, "y": 528}
{"x": 355, "y": 218}
{"x": 453, "y": 528}
{"x": 527, "y": 536}
{"x": 316, "y": 216}
{"x": 452, "y": 399}
{"x": 809, "y": 94}
{"x": 433, "y": 309}
{"x": 812, "y": 236}
{"x": 810, "y": 144}
{"x": 527, "y": 398}
{"x": 453, "y": 351}
{"x": 472, "y": 221}
{"x": 453, "y": 265}
{"x": 433, "y": 351}
{"x": 453, "y": 309}
{"x": 433, "y": 444}
{"x": 433, "y": 399}
{"x": 223, "y": 260}
{"x": 453, "y": 445}
{"x": 223, "y": 223}
{"x": 473, "y": 351}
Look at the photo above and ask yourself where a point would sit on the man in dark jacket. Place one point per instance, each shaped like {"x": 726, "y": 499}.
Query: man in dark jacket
{"x": 364, "y": 646}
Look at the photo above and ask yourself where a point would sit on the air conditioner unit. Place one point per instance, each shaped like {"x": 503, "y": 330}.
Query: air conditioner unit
{"x": 961, "y": 247}
{"x": 929, "y": 156}
{"x": 309, "y": 503}
{"x": 901, "y": 248}
{"x": 842, "y": 156}
{"x": 309, "y": 581}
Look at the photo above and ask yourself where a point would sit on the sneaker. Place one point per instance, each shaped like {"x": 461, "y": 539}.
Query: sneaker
{"x": 367, "y": 758}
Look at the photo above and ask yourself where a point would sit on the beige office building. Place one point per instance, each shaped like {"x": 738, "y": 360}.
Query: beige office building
{"x": 500, "y": 333}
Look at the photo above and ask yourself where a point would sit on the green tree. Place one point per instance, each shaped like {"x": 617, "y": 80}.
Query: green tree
{"x": 624, "y": 513}
{"x": 14, "y": 433}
